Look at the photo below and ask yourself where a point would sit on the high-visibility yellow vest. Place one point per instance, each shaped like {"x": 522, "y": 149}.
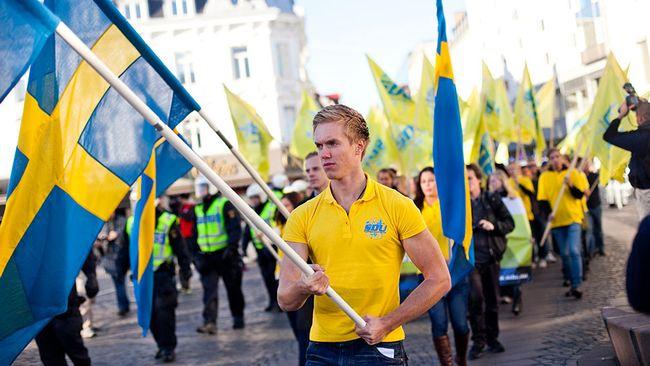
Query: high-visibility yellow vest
{"x": 267, "y": 214}
{"x": 162, "y": 249}
{"x": 211, "y": 227}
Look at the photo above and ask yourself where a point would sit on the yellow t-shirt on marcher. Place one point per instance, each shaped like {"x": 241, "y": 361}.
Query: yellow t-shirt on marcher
{"x": 361, "y": 253}
{"x": 570, "y": 209}
{"x": 528, "y": 184}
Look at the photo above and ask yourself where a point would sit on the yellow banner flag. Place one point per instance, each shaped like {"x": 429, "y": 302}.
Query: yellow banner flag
{"x": 497, "y": 113}
{"x": 412, "y": 137}
{"x": 252, "y": 136}
{"x": 471, "y": 118}
{"x": 569, "y": 144}
{"x": 381, "y": 151}
{"x": 609, "y": 96}
{"x": 526, "y": 115}
{"x": 546, "y": 104}
{"x": 506, "y": 128}
{"x": 302, "y": 141}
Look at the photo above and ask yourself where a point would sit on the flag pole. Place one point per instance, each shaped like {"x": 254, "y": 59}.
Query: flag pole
{"x": 547, "y": 229}
{"x": 242, "y": 160}
{"x": 98, "y": 65}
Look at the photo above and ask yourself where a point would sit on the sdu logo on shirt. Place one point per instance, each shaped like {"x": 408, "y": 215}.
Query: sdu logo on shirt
{"x": 375, "y": 229}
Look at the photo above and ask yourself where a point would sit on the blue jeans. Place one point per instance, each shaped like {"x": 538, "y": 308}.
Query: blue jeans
{"x": 595, "y": 232}
{"x": 454, "y": 306}
{"x": 120, "y": 292}
{"x": 356, "y": 352}
{"x": 568, "y": 241}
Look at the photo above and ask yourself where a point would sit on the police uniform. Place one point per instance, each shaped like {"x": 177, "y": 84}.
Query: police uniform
{"x": 265, "y": 260}
{"x": 168, "y": 243}
{"x": 215, "y": 248}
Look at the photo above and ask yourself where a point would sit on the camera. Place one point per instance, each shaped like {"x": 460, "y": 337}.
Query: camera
{"x": 631, "y": 99}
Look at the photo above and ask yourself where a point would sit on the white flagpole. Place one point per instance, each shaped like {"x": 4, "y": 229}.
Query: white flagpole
{"x": 242, "y": 160}
{"x": 78, "y": 46}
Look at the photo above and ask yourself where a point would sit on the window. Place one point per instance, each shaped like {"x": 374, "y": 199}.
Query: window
{"x": 541, "y": 25}
{"x": 184, "y": 67}
{"x": 132, "y": 9}
{"x": 240, "y": 65}
{"x": 175, "y": 7}
{"x": 288, "y": 121}
{"x": 282, "y": 60}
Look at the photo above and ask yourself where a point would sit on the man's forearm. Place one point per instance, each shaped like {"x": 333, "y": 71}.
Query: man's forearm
{"x": 292, "y": 296}
{"x": 427, "y": 294}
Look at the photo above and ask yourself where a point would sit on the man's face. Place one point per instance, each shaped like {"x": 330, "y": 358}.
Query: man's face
{"x": 338, "y": 155}
{"x": 385, "y": 178}
{"x": 315, "y": 174}
{"x": 556, "y": 160}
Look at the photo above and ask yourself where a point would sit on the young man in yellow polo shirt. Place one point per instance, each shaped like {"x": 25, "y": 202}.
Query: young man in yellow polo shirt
{"x": 356, "y": 233}
{"x": 565, "y": 224}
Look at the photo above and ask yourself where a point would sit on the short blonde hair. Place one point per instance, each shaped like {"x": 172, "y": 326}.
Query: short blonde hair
{"x": 356, "y": 127}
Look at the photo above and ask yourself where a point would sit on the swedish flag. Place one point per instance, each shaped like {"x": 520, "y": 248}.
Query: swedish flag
{"x": 26, "y": 25}
{"x": 165, "y": 166}
{"x": 448, "y": 159}
{"x": 80, "y": 148}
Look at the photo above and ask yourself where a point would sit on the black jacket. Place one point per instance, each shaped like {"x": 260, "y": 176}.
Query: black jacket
{"x": 638, "y": 143}
{"x": 638, "y": 271}
{"x": 489, "y": 246}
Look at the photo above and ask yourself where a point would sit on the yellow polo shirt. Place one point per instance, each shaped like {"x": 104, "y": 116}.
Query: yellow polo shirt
{"x": 570, "y": 209}
{"x": 528, "y": 184}
{"x": 361, "y": 252}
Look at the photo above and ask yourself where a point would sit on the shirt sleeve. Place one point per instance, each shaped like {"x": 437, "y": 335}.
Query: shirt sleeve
{"x": 410, "y": 221}
{"x": 295, "y": 230}
{"x": 542, "y": 194}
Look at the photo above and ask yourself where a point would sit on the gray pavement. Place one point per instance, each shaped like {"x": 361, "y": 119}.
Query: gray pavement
{"x": 552, "y": 329}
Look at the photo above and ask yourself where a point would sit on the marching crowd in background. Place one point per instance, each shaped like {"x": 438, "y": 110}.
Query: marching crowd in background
{"x": 508, "y": 203}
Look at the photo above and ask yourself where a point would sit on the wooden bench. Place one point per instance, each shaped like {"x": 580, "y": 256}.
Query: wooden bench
{"x": 629, "y": 333}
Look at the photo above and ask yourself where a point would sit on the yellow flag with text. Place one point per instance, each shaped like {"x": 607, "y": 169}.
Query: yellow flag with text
{"x": 526, "y": 115}
{"x": 381, "y": 151}
{"x": 471, "y": 117}
{"x": 302, "y": 141}
{"x": 252, "y": 136}
{"x": 609, "y": 96}
{"x": 546, "y": 104}
{"x": 412, "y": 136}
{"x": 488, "y": 98}
{"x": 506, "y": 127}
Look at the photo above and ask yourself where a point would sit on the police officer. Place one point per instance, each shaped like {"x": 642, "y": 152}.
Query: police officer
{"x": 215, "y": 248}
{"x": 265, "y": 260}
{"x": 168, "y": 243}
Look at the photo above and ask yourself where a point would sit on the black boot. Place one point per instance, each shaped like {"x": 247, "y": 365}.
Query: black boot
{"x": 462, "y": 341}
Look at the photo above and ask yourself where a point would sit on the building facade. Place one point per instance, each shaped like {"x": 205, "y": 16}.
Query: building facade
{"x": 257, "y": 48}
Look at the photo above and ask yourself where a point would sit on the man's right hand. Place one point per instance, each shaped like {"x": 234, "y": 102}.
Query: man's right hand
{"x": 316, "y": 283}
{"x": 623, "y": 110}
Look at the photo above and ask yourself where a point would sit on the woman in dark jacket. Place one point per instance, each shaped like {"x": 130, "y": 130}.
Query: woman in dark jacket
{"x": 491, "y": 222}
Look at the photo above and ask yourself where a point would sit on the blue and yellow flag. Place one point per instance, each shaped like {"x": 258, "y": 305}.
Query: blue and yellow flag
{"x": 26, "y": 25}
{"x": 165, "y": 166}
{"x": 455, "y": 203}
{"x": 80, "y": 149}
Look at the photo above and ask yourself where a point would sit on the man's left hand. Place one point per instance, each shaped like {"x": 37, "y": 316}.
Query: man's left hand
{"x": 375, "y": 330}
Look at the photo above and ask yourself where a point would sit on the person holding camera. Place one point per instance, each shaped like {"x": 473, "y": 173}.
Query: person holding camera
{"x": 491, "y": 223}
{"x": 638, "y": 143}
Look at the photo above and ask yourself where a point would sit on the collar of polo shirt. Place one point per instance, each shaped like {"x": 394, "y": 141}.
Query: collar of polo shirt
{"x": 367, "y": 195}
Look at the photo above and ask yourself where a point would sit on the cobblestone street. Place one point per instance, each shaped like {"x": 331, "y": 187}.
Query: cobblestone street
{"x": 552, "y": 329}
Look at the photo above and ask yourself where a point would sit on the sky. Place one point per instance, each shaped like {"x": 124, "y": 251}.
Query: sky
{"x": 341, "y": 33}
